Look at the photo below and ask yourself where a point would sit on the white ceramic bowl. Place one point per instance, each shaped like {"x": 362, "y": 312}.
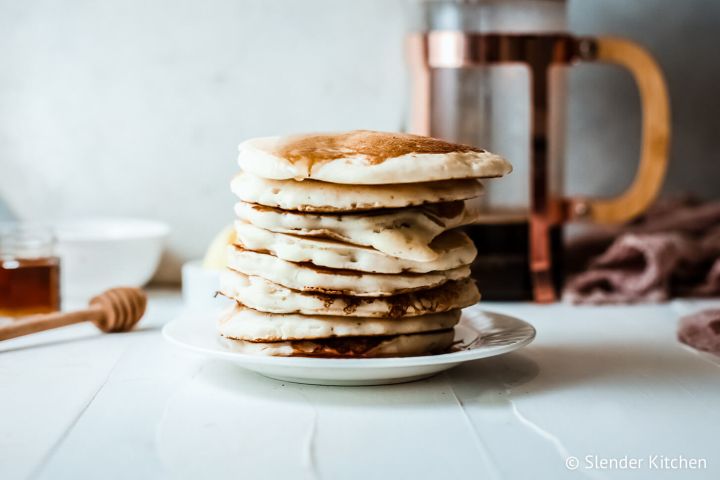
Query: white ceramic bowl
{"x": 97, "y": 254}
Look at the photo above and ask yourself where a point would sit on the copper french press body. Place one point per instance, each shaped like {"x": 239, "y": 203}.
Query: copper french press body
{"x": 491, "y": 73}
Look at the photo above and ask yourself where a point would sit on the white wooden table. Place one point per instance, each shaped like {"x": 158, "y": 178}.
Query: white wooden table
{"x": 598, "y": 384}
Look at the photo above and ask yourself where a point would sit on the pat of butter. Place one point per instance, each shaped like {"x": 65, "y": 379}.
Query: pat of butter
{"x": 216, "y": 255}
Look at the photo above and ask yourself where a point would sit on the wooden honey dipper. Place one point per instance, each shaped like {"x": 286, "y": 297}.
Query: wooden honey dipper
{"x": 115, "y": 310}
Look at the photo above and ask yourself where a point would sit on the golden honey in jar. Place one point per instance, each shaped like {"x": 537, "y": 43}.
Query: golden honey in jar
{"x": 29, "y": 271}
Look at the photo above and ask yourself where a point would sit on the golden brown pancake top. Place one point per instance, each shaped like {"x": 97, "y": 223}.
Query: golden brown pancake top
{"x": 376, "y": 147}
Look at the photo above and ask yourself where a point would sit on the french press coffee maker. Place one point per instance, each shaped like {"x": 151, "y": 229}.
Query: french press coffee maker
{"x": 492, "y": 73}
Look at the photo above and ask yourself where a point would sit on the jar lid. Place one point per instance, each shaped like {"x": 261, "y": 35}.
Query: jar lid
{"x": 26, "y": 240}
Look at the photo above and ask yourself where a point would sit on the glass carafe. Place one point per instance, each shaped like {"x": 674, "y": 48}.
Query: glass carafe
{"x": 493, "y": 74}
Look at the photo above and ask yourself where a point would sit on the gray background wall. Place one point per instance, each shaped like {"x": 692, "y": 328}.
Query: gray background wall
{"x": 604, "y": 115}
{"x": 135, "y": 107}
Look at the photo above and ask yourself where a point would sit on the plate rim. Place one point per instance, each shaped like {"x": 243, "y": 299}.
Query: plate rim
{"x": 354, "y": 363}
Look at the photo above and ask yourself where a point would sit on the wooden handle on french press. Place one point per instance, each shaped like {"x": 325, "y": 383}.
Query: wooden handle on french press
{"x": 116, "y": 310}
{"x": 655, "y": 136}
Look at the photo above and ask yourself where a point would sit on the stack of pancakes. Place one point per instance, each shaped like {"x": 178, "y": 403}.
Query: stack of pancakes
{"x": 348, "y": 245}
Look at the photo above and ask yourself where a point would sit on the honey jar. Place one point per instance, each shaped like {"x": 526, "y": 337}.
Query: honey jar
{"x": 29, "y": 271}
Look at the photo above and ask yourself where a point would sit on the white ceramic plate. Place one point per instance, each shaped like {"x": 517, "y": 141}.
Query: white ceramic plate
{"x": 480, "y": 334}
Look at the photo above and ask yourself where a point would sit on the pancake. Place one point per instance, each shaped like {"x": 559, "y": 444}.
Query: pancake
{"x": 309, "y": 278}
{"x": 364, "y": 157}
{"x": 242, "y": 323}
{"x": 351, "y": 347}
{"x": 314, "y": 196}
{"x": 348, "y": 245}
{"x": 452, "y": 248}
{"x": 404, "y": 233}
{"x": 266, "y": 296}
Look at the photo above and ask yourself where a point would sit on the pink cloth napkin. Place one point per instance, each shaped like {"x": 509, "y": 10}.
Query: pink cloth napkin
{"x": 701, "y": 331}
{"x": 674, "y": 250}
